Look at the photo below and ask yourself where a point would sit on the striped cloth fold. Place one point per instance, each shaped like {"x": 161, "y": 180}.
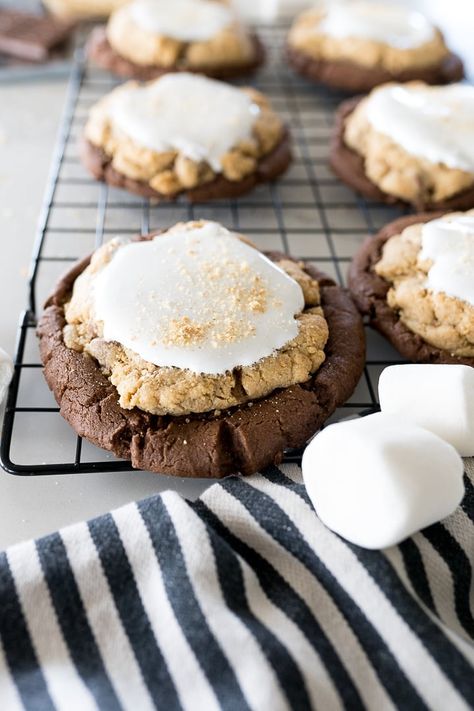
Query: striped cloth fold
{"x": 239, "y": 600}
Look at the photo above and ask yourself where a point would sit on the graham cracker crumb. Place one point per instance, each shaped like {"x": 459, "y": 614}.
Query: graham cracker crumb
{"x": 185, "y": 332}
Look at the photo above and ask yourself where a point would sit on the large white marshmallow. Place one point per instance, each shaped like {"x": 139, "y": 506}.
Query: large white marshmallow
{"x": 6, "y": 373}
{"x": 378, "y": 479}
{"x": 437, "y": 397}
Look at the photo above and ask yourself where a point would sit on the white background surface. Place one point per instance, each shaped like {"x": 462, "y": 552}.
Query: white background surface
{"x": 29, "y": 116}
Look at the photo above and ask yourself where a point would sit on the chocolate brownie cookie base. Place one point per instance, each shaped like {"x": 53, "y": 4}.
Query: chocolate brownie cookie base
{"x": 370, "y": 294}
{"x": 349, "y": 167}
{"x": 357, "y": 79}
{"x": 104, "y": 56}
{"x": 269, "y": 168}
{"x": 243, "y": 439}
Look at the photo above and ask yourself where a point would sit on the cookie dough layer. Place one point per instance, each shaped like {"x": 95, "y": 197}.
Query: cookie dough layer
{"x": 83, "y": 8}
{"x": 232, "y": 45}
{"x": 243, "y": 439}
{"x": 441, "y": 320}
{"x": 381, "y": 170}
{"x": 101, "y": 52}
{"x": 114, "y": 158}
{"x": 423, "y": 326}
{"x": 174, "y": 391}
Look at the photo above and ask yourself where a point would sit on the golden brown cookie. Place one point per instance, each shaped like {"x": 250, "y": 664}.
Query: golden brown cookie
{"x": 254, "y": 143}
{"x": 387, "y": 278}
{"x": 136, "y": 44}
{"x": 83, "y": 8}
{"x": 379, "y": 169}
{"x": 378, "y": 51}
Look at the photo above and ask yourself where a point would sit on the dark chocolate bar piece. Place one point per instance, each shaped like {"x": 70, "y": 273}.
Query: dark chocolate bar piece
{"x": 30, "y": 37}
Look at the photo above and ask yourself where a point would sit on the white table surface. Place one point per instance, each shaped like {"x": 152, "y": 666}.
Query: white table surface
{"x": 29, "y": 116}
{"x": 32, "y": 506}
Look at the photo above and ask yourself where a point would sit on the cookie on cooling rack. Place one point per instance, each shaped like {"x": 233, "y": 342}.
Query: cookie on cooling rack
{"x": 82, "y": 8}
{"x": 358, "y": 45}
{"x": 185, "y": 133}
{"x": 408, "y": 143}
{"x": 147, "y": 38}
{"x": 415, "y": 282}
{"x": 193, "y": 354}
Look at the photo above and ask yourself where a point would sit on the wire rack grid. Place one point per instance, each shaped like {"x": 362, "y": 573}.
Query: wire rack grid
{"x": 307, "y": 213}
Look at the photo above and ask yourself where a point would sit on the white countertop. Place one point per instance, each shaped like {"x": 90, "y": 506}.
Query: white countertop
{"x": 32, "y": 506}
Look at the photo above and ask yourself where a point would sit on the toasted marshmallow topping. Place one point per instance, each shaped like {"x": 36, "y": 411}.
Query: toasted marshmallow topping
{"x": 449, "y": 244}
{"x": 185, "y": 20}
{"x": 432, "y": 122}
{"x": 199, "y": 298}
{"x": 392, "y": 25}
{"x": 199, "y": 117}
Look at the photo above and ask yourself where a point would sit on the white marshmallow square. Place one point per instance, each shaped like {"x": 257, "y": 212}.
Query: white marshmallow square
{"x": 437, "y": 397}
{"x": 377, "y": 480}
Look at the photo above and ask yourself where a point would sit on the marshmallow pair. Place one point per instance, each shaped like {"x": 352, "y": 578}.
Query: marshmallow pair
{"x": 379, "y": 479}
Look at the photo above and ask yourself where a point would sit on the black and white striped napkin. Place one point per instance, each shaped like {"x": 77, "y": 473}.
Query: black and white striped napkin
{"x": 240, "y": 600}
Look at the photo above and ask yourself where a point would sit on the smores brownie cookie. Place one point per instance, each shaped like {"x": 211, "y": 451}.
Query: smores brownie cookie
{"x": 191, "y": 353}
{"x": 415, "y": 281}
{"x": 185, "y": 133}
{"x": 358, "y": 45}
{"x": 82, "y": 9}
{"x": 147, "y": 38}
{"x": 409, "y": 143}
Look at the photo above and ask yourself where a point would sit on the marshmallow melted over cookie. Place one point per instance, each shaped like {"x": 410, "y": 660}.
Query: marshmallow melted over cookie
{"x": 197, "y": 298}
{"x": 199, "y": 117}
{"x": 435, "y": 123}
{"x": 392, "y": 25}
{"x": 449, "y": 244}
{"x": 185, "y": 20}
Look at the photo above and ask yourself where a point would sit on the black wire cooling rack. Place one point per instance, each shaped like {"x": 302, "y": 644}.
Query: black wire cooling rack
{"x": 307, "y": 213}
